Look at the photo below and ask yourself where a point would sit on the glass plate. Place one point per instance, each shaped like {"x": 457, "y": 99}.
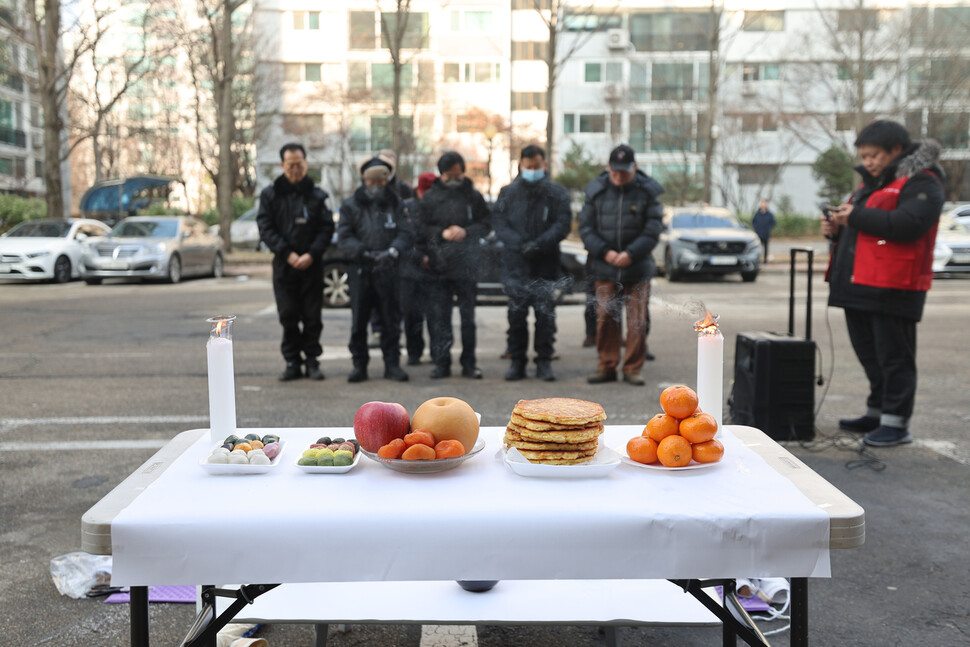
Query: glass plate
{"x": 325, "y": 469}
{"x": 602, "y": 463}
{"x": 424, "y": 467}
{"x": 227, "y": 468}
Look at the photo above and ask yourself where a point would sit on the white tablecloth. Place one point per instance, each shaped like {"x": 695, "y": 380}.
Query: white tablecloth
{"x": 480, "y": 521}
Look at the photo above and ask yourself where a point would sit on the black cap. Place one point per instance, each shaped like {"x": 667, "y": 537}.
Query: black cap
{"x": 621, "y": 159}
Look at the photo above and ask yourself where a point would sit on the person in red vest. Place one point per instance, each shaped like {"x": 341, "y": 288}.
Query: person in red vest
{"x": 880, "y": 269}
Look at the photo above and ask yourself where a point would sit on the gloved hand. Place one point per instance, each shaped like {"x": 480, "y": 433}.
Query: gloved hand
{"x": 369, "y": 257}
{"x": 383, "y": 258}
{"x": 531, "y": 250}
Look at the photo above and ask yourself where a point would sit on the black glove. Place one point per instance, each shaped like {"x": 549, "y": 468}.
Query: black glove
{"x": 383, "y": 258}
{"x": 531, "y": 250}
{"x": 369, "y": 257}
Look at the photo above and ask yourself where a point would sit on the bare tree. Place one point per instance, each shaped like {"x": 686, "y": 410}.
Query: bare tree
{"x": 396, "y": 37}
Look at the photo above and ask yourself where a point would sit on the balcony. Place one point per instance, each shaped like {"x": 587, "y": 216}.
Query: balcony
{"x": 12, "y": 81}
{"x": 13, "y": 137}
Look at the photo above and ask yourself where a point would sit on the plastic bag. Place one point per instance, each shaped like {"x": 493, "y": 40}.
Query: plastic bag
{"x": 75, "y": 574}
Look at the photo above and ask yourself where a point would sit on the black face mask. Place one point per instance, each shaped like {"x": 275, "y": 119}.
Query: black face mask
{"x": 373, "y": 190}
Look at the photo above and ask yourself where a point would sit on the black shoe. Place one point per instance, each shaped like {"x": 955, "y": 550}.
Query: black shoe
{"x": 649, "y": 356}
{"x": 473, "y": 373}
{"x": 516, "y": 370}
{"x": 395, "y": 373}
{"x": 313, "y": 372}
{"x": 440, "y": 372}
{"x": 633, "y": 378}
{"x": 506, "y": 355}
{"x": 601, "y": 377}
{"x": 359, "y": 374}
{"x": 414, "y": 361}
{"x": 885, "y": 436}
{"x": 293, "y": 371}
{"x": 544, "y": 371}
{"x": 862, "y": 425}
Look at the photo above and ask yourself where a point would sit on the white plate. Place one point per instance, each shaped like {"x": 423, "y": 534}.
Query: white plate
{"x": 226, "y": 468}
{"x": 602, "y": 463}
{"x": 661, "y": 468}
{"x": 424, "y": 467}
{"x": 325, "y": 469}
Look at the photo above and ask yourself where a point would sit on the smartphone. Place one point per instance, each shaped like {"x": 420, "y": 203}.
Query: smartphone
{"x": 827, "y": 209}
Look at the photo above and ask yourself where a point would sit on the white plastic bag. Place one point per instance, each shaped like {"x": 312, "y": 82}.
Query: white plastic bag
{"x": 75, "y": 574}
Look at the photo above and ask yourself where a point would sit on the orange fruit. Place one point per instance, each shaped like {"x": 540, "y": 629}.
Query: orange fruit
{"x": 419, "y": 452}
{"x": 709, "y": 452}
{"x": 698, "y": 428}
{"x": 419, "y": 437}
{"x": 674, "y": 451}
{"x": 393, "y": 449}
{"x": 450, "y": 448}
{"x": 661, "y": 426}
{"x": 678, "y": 401}
{"x": 642, "y": 449}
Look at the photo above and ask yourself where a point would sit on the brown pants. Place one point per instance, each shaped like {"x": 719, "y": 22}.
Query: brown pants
{"x": 610, "y": 298}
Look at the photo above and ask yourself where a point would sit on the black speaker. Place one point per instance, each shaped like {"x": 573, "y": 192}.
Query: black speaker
{"x": 774, "y": 385}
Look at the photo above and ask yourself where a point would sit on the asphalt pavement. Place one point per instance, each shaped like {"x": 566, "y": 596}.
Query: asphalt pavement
{"x": 94, "y": 378}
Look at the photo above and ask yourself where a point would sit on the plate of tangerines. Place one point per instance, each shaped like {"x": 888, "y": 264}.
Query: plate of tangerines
{"x": 680, "y": 438}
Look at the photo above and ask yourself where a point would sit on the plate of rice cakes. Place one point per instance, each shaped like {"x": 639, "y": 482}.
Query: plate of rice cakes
{"x": 557, "y": 438}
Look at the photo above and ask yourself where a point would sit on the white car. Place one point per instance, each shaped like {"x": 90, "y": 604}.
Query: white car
{"x": 961, "y": 214}
{"x": 46, "y": 250}
{"x": 952, "y": 252}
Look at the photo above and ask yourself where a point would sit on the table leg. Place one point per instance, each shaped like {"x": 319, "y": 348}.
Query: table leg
{"x": 138, "y": 609}
{"x": 321, "y": 637}
{"x": 799, "y": 611}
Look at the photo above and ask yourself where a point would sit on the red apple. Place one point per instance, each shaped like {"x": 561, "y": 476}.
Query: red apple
{"x": 378, "y": 423}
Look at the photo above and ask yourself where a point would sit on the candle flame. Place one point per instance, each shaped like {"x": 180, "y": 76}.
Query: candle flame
{"x": 708, "y": 326}
{"x": 218, "y": 327}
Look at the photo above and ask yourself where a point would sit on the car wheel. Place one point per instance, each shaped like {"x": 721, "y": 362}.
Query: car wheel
{"x": 749, "y": 277}
{"x": 673, "y": 274}
{"x": 174, "y": 269}
{"x": 93, "y": 281}
{"x": 336, "y": 286}
{"x": 62, "y": 269}
{"x": 217, "y": 266}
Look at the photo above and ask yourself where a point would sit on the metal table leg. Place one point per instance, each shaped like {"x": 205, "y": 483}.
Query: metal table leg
{"x": 799, "y": 611}
{"x": 138, "y": 609}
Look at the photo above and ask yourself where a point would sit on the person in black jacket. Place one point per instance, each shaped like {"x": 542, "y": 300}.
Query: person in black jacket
{"x": 373, "y": 233}
{"x": 620, "y": 225}
{"x": 415, "y": 275}
{"x": 296, "y": 224}
{"x": 531, "y": 216}
{"x": 453, "y": 218}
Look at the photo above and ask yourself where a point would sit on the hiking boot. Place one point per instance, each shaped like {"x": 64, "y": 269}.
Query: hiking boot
{"x": 886, "y": 436}
{"x": 633, "y": 378}
{"x": 440, "y": 372}
{"x": 862, "y": 425}
{"x": 313, "y": 371}
{"x": 600, "y": 377}
{"x": 544, "y": 371}
{"x": 359, "y": 374}
{"x": 472, "y": 373}
{"x": 516, "y": 370}
{"x": 293, "y": 371}
{"x": 395, "y": 373}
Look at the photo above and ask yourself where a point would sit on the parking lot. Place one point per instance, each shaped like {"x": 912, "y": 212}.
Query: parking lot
{"x": 95, "y": 378}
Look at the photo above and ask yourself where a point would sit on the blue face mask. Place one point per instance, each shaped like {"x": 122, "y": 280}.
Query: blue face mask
{"x": 532, "y": 175}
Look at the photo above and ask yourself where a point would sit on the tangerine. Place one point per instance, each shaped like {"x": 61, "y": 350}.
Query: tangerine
{"x": 710, "y": 452}
{"x": 419, "y": 452}
{"x": 661, "y": 426}
{"x": 674, "y": 451}
{"x": 393, "y": 449}
{"x": 678, "y": 401}
{"x": 698, "y": 428}
{"x": 642, "y": 449}
{"x": 450, "y": 448}
{"x": 419, "y": 437}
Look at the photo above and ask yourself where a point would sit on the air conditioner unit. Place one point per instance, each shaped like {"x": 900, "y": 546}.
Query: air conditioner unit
{"x": 617, "y": 38}
{"x": 748, "y": 89}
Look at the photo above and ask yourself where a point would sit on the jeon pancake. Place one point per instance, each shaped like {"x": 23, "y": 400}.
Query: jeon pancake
{"x": 560, "y": 410}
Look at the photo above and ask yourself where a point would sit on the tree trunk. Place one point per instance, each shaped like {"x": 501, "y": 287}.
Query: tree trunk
{"x": 551, "y": 88}
{"x": 396, "y": 105}
{"x": 712, "y": 91}
{"x": 225, "y": 181}
{"x": 49, "y": 68}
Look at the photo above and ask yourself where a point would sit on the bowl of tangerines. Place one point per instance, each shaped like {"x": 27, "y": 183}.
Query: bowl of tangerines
{"x": 682, "y": 437}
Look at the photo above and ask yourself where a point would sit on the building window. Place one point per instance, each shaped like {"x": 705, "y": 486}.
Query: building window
{"x": 415, "y": 34}
{"x": 39, "y": 168}
{"x": 949, "y": 128}
{"x": 847, "y": 72}
{"x": 568, "y": 123}
{"x": 590, "y": 20}
{"x": 761, "y": 72}
{"x": 594, "y": 73}
{"x": 672, "y": 81}
{"x": 758, "y": 174}
{"x": 306, "y": 20}
{"x": 763, "y": 21}
{"x": 858, "y": 19}
{"x": 846, "y": 121}
{"x": 638, "y": 132}
{"x": 481, "y": 72}
{"x": 670, "y": 132}
{"x": 356, "y": 75}
{"x": 382, "y": 79}
{"x": 529, "y": 101}
{"x": 536, "y": 5}
{"x": 529, "y": 50}
{"x": 380, "y": 131}
{"x": 312, "y": 71}
{"x": 600, "y": 72}
{"x": 310, "y": 124}
{"x": 363, "y": 34}
{"x": 671, "y": 31}
{"x": 452, "y": 73}
{"x": 466, "y": 20}
{"x": 6, "y": 166}
{"x": 591, "y": 123}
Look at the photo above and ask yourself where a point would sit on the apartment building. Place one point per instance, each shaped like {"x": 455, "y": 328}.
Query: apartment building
{"x": 21, "y": 118}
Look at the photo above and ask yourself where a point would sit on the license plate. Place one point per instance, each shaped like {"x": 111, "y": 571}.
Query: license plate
{"x": 723, "y": 260}
{"x": 4, "y": 268}
{"x": 114, "y": 265}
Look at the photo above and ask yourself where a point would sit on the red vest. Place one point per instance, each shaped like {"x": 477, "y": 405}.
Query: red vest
{"x": 884, "y": 263}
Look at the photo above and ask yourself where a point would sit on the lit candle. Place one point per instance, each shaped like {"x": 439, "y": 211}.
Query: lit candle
{"x": 222, "y": 385}
{"x": 710, "y": 367}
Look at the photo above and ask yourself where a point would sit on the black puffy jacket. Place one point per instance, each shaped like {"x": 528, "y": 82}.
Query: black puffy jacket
{"x": 531, "y": 212}
{"x": 442, "y": 207}
{"x": 294, "y": 218}
{"x": 372, "y": 224}
{"x": 626, "y": 218}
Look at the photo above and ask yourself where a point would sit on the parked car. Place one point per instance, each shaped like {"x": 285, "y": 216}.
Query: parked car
{"x": 952, "y": 252}
{"x": 153, "y": 247}
{"x": 244, "y": 233}
{"x": 46, "y": 250}
{"x": 706, "y": 240}
{"x": 961, "y": 214}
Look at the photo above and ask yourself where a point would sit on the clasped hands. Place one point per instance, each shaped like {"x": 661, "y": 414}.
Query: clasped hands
{"x": 379, "y": 258}
{"x": 299, "y": 261}
{"x": 618, "y": 259}
{"x": 454, "y": 234}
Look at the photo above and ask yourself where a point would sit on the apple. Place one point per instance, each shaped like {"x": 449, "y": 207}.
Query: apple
{"x": 378, "y": 423}
{"x": 448, "y": 419}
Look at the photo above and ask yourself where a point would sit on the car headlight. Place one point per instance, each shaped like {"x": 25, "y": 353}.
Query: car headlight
{"x": 40, "y": 254}
{"x": 157, "y": 248}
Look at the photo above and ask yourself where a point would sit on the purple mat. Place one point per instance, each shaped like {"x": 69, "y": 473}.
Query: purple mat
{"x": 182, "y": 594}
{"x": 753, "y": 603}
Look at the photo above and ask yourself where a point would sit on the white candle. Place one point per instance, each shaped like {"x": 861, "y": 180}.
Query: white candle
{"x": 222, "y": 388}
{"x": 710, "y": 373}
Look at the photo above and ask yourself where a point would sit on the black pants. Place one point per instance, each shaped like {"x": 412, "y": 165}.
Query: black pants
{"x": 589, "y": 314}
{"x": 764, "y": 246}
{"x": 539, "y": 295}
{"x": 414, "y": 299}
{"x": 441, "y": 296}
{"x": 886, "y": 347}
{"x": 299, "y": 301}
{"x": 374, "y": 290}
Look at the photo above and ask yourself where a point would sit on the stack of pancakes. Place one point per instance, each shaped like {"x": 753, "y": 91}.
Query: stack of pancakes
{"x": 555, "y": 431}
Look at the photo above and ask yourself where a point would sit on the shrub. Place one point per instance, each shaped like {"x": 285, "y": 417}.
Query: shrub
{"x": 15, "y": 209}
{"x": 240, "y": 205}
